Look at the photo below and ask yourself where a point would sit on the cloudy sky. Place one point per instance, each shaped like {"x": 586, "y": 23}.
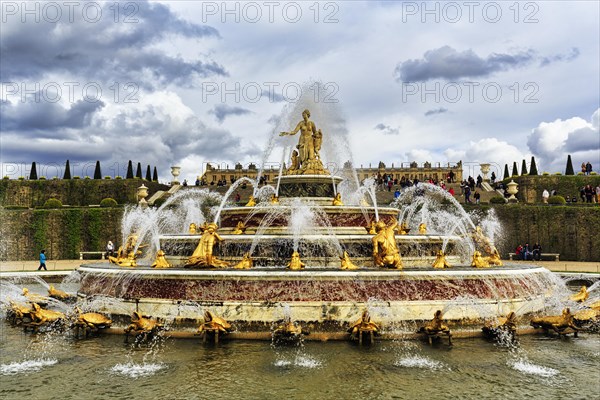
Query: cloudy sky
{"x": 186, "y": 83}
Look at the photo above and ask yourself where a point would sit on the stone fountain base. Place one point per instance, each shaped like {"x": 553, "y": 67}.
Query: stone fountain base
{"x": 324, "y": 299}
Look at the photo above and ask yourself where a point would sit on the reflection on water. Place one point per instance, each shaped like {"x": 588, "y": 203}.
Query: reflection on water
{"x": 187, "y": 369}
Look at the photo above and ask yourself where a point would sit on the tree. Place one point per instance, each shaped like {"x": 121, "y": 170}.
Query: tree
{"x": 155, "y": 175}
{"x": 524, "y": 168}
{"x": 67, "y": 174}
{"x": 515, "y": 172}
{"x": 129, "y": 171}
{"x": 97, "y": 171}
{"x": 148, "y": 174}
{"x": 506, "y": 176}
{"x": 33, "y": 173}
{"x": 138, "y": 171}
{"x": 569, "y": 170}
{"x": 533, "y": 167}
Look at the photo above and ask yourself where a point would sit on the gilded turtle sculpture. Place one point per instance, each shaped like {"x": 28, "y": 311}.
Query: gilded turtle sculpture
{"x": 90, "y": 323}
{"x": 363, "y": 326}
{"x": 143, "y": 328}
{"x": 213, "y": 327}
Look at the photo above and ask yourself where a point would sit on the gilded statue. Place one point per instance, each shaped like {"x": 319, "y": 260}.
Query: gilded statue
{"x": 580, "y": 296}
{"x": 294, "y": 162}
{"x": 239, "y": 229}
{"x": 435, "y": 327}
{"x": 90, "y": 323}
{"x": 126, "y": 254}
{"x": 143, "y": 328}
{"x": 251, "y": 202}
{"x": 561, "y": 324}
{"x": 193, "y": 230}
{"x": 403, "y": 228}
{"x": 346, "y": 263}
{"x": 422, "y": 228}
{"x": 246, "y": 262}
{"x": 16, "y": 314}
{"x": 504, "y": 328}
{"x": 385, "y": 248}
{"x": 308, "y": 160}
{"x": 478, "y": 261}
{"x": 59, "y": 294}
{"x": 203, "y": 255}
{"x": 362, "y": 326}
{"x": 40, "y": 316}
{"x": 161, "y": 260}
{"x": 274, "y": 199}
{"x": 337, "y": 200}
{"x": 34, "y": 297}
{"x": 288, "y": 331}
{"x": 214, "y": 326}
{"x": 440, "y": 261}
{"x": 295, "y": 262}
{"x": 494, "y": 257}
{"x": 371, "y": 228}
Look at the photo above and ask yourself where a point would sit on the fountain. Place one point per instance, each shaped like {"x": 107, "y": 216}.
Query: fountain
{"x": 285, "y": 247}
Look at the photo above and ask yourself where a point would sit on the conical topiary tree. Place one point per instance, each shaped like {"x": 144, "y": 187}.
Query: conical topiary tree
{"x": 506, "y": 176}
{"x": 155, "y": 175}
{"x": 33, "y": 173}
{"x": 97, "y": 171}
{"x": 524, "y": 168}
{"x": 515, "y": 172}
{"x": 569, "y": 170}
{"x": 148, "y": 174}
{"x": 129, "y": 170}
{"x": 138, "y": 171}
{"x": 67, "y": 174}
{"x": 533, "y": 167}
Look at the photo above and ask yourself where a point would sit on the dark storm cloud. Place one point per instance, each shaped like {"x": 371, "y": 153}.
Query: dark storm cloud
{"x": 440, "y": 110}
{"x": 222, "y": 111}
{"x": 44, "y": 119}
{"x": 105, "y": 49}
{"x": 447, "y": 63}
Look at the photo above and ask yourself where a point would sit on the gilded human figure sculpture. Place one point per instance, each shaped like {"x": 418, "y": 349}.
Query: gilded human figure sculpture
{"x": 295, "y": 262}
{"x": 294, "y": 163}
{"x": 192, "y": 229}
{"x": 440, "y": 261}
{"x": 203, "y": 255}
{"x": 385, "y": 248}
{"x": 307, "y": 160}
{"x": 478, "y": 261}
{"x": 160, "y": 261}
{"x": 337, "y": 201}
{"x": 422, "y": 228}
{"x": 346, "y": 263}
{"x": 126, "y": 254}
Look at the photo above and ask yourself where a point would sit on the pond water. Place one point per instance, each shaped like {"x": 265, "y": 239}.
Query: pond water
{"x": 48, "y": 366}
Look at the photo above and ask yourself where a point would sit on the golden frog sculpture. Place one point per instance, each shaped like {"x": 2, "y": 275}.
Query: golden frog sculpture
{"x": 561, "y": 324}
{"x": 40, "y": 317}
{"x": 35, "y": 298}
{"x": 143, "y": 328}
{"x": 371, "y": 228}
{"x": 288, "y": 332}
{"x": 362, "y": 326}
{"x": 295, "y": 262}
{"x": 435, "y": 327}
{"x": 274, "y": 199}
{"x": 90, "y": 323}
{"x": 193, "y": 229}
{"x": 504, "y": 327}
{"x": 160, "y": 261}
{"x": 346, "y": 263}
{"x": 478, "y": 261}
{"x": 580, "y": 296}
{"x": 246, "y": 263}
{"x": 239, "y": 229}
{"x": 440, "y": 261}
{"x": 337, "y": 201}
{"x": 251, "y": 202}
{"x": 422, "y": 228}
{"x": 494, "y": 256}
{"x": 59, "y": 294}
{"x": 214, "y": 326}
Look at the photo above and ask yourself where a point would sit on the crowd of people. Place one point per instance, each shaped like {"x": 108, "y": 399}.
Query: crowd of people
{"x": 529, "y": 253}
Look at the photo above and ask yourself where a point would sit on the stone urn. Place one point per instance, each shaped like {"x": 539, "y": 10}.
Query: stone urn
{"x": 142, "y": 193}
{"x": 485, "y": 169}
{"x": 175, "y": 172}
{"x": 512, "y": 190}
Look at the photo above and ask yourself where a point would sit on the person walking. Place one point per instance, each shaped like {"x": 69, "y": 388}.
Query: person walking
{"x": 42, "y": 261}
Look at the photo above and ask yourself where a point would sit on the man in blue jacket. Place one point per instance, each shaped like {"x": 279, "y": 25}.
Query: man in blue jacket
{"x": 42, "y": 261}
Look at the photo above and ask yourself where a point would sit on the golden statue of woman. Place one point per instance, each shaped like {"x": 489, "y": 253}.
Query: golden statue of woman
{"x": 306, "y": 145}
